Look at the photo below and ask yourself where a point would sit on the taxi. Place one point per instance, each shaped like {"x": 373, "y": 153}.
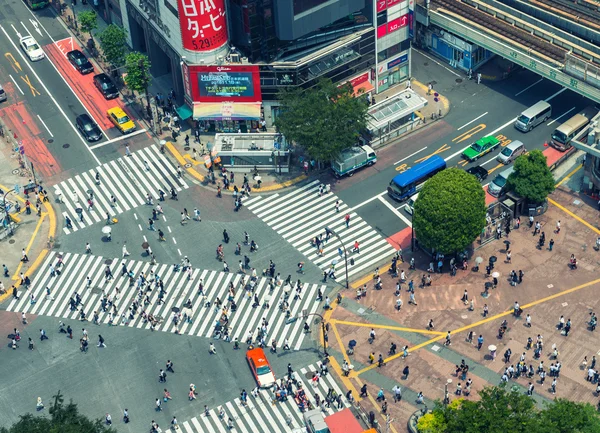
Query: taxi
{"x": 260, "y": 367}
{"x": 480, "y": 147}
{"x": 121, "y": 120}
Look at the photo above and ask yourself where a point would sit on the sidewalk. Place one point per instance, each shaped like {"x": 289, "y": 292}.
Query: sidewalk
{"x": 35, "y": 234}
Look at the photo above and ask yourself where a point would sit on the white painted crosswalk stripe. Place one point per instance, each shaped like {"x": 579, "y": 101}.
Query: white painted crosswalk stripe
{"x": 71, "y": 279}
{"x": 123, "y": 174}
{"x": 303, "y": 214}
{"x": 262, "y": 414}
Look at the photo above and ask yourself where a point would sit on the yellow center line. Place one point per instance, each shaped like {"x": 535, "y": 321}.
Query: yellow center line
{"x": 567, "y": 211}
{"x": 568, "y": 176}
{"x": 390, "y": 327}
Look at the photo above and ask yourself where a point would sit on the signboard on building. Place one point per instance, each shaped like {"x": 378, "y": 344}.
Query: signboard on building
{"x": 402, "y": 59}
{"x": 230, "y": 83}
{"x": 411, "y": 19}
{"x": 203, "y": 24}
{"x": 187, "y": 87}
{"x": 384, "y": 4}
{"x": 392, "y": 26}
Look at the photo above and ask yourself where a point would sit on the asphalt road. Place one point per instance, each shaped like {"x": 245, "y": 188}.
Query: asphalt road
{"x": 476, "y": 111}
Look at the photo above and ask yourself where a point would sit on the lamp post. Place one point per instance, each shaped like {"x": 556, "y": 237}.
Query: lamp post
{"x": 324, "y": 328}
{"x": 6, "y": 216}
{"x": 327, "y": 229}
{"x": 446, "y": 394}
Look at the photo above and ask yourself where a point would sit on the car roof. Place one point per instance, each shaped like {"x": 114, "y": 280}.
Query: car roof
{"x": 76, "y": 53}
{"x": 116, "y": 110}
{"x": 258, "y": 356}
{"x": 27, "y": 39}
{"x": 102, "y": 77}
{"x": 85, "y": 117}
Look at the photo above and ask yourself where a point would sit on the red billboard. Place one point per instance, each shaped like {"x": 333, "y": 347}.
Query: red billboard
{"x": 392, "y": 26}
{"x": 203, "y": 24}
{"x": 225, "y": 83}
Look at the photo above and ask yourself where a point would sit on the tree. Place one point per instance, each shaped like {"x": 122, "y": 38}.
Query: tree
{"x": 63, "y": 419}
{"x": 113, "y": 41}
{"x": 324, "y": 120}
{"x": 88, "y": 21}
{"x": 450, "y": 211}
{"x": 564, "y": 416}
{"x": 532, "y": 179}
{"x": 137, "y": 66}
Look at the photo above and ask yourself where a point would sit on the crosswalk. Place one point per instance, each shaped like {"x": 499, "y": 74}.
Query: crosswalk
{"x": 262, "y": 415}
{"x": 303, "y": 214}
{"x": 179, "y": 286}
{"x": 129, "y": 179}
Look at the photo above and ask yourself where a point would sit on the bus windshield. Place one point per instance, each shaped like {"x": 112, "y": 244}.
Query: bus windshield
{"x": 559, "y": 136}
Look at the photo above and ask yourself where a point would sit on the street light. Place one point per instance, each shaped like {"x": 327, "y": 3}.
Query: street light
{"x": 446, "y": 394}
{"x": 6, "y": 215}
{"x": 327, "y": 229}
{"x": 323, "y": 329}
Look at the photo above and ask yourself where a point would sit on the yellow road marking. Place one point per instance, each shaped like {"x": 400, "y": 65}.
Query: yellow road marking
{"x": 369, "y": 277}
{"x": 192, "y": 160}
{"x": 13, "y": 62}
{"x": 37, "y": 228}
{"x": 468, "y": 134}
{"x": 390, "y": 327}
{"x": 491, "y": 170}
{"x": 568, "y": 176}
{"x": 281, "y": 185}
{"x": 375, "y": 404}
{"x": 440, "y": 150}
{"x": 28, "y": 82}
{"x": 181, "y": 160}
{"x": 567, "y": 211}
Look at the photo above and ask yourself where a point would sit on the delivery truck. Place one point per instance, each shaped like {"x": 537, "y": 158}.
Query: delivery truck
{"x": 352, "y": 159}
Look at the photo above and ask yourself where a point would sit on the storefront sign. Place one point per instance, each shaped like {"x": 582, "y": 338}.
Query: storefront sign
{"x": 286, "y": 78}
{"x": 225, "y": 83}
{"x": 403, "y": 58}
{"x": 384, "y": 4}
{"x": 203, "y": 24}
{"x": 398, "y": 23}
{"x": 360, "y": 79}
{"x": 187, "y": 87}
{"x": 381, "y": 31}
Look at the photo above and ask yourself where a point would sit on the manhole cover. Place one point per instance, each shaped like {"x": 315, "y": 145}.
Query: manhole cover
{"x": 188, "y": 165}
{"x": 12, "y": 241}
{"x": 66, "y": 146}
{"x": 50, "y": 140}
{"x": 459, "y": 80}
{"x": 16, "y": 171}
{"x": 308, "y": 374}
{"x": 186, "y": 148}
{"x": 96, "y": 291}
{"x": 426, "y": 64}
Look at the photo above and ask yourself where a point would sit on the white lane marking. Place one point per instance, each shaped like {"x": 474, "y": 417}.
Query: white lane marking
{"x": 13, "y": 80}
{"x": 437, "y": 63}
{"x": 468, "y": 123}
{"x": 50, "y": 95}
{"x": 562, "y": 115}
{"x": 393, "y": 209}
{"x": 16, "y": 31}
{"x": 529, "y": 87}
{"x": 502, "y": 127}
{"x": 367, "y": 201}
{"x": 412, "y": 154}
{"x": 45, "y": 126}
{"x": 35, "y": 26}
{"x": 113, "y": 140}
{"x": 493, "y": 158}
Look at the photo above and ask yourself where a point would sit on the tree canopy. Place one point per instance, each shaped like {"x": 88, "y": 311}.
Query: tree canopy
{"x": 113, "y": 41}
{"x": 501, "y": 410}
{"x": 63, "y": 419}
{"x": 138, "y": 71}
{"x": 88, "y": 21}
{"x": 532, "y": 179}
{"x": 324, "y": 120}
{"x": 450, "y": 211}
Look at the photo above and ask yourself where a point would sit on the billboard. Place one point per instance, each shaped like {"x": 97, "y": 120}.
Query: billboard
{"x": 203, "y": 24}
{"x": 225, "y": 83}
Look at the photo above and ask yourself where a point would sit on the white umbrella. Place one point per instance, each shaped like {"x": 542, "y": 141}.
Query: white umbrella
{"x": 495, "y": 274}
{"x": 106, "y": 229}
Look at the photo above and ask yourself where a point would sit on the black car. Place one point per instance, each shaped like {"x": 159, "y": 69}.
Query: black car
{"x": 88, "y": 128}
{"x": 479, "y": 172}
{"x": 106, "y": 86}
{"x": 80, "y": 61}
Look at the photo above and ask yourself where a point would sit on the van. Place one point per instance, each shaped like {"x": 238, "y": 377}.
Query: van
{"x": 533, "y": 116}
{"x": 2, "y": 94}
{"x": 498, "y": 186}
{"x": 410, "y": 204}
{"x": 562, "y": 136}
{"x": 510, "y": 152}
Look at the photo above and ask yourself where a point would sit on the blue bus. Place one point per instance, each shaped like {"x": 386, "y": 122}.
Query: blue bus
{"x": 408, "y": 183}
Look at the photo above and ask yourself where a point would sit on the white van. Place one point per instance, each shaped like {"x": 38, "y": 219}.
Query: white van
{"x": 533, "y": 116}
{"x": 510, "y": 152}
{"x": 410, "y": 204}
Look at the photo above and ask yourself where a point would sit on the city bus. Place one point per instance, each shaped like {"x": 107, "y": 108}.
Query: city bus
{"x": 410, "y": 182}
{"x": 36, "y": 4}
{"x": 562, "y": 136}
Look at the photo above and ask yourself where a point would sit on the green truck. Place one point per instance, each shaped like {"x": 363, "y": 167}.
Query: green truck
{"x": 480, "y": 147}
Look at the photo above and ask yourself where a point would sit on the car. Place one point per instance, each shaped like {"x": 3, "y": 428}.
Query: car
{"x": 88, "y": 127}
{"x": 480, "y": 147}
{"x": 106, "y": 86}
{"x": 32, "y": 48}
{"x": 3, "y": 95}
{"x": 260, "y": 367}
{"x": 479, "y": 172}
{"x": 80, "y": 61}
{"x": 121, "y": 120}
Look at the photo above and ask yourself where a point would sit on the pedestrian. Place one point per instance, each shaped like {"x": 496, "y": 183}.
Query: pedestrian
{"x": 125, "y": 252}
{"x": 24, "y": 257}
{"x": 347, "y": 220}
{"x": 88, "y": 248}
{"x": 479, "y": 342}
{"x": 550, "y": 244}
{"x": 158, "y": 404}
{"x": 174, "y": 423}
{"x": 100, "y": 340}
{"x": 211, "y": 349}
{"x": 397, "y": 393}
{"x": 108, "y": 419}
{"x": 557, "y": 231}
{"x": 39, "y": 405}
{"x": 125, "y": 415}
{"x": 162, "y": 376}
{"x": 127, "y": 151}
{"x": 406, "y": 372}
{"x": 43, "y": 335}
{"x": 448, "y": 340}
{"x": 169, "y": 366}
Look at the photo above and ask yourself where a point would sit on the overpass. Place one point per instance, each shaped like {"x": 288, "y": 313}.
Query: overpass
{"x": 523, "y": 38}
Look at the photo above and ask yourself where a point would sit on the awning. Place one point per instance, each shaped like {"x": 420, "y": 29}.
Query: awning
{"x": 227, "y": 111}
{"x": 363, "y": 88}
{"x": 184, "y": 112}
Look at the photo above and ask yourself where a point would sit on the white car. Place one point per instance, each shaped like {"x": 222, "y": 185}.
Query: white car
{"x": 32, "y": 48}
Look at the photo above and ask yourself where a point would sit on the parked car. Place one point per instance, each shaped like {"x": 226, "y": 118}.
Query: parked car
{"x": 88, "y": 127}
{"x": 80, "y": 61}
{"x": 479, "y": 172}
{"x": 32, "y": 48}
{"x": 106, "y": 86}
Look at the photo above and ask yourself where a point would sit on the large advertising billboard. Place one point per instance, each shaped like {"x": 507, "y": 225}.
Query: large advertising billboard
{"x": 203, "y": 24}
{"x": 225, "y": 83}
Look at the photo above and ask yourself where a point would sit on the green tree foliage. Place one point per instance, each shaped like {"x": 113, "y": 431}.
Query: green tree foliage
{"x": 500, "y": 410}
{"x": 324, "y": 120}
{"x": 63, "y": 419}
{"x": 137, "y": 66}
{"x": 113, "y": 41}
{"x": 88, "y": 21}
{"x": 450, "y": 211}
{"x": 532, "y": 179}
